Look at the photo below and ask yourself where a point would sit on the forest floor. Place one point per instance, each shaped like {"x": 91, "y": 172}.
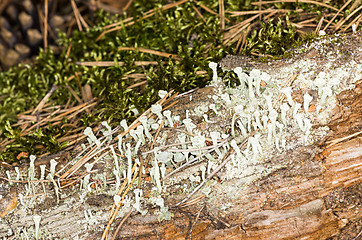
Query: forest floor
{"x": 178, "y": 184}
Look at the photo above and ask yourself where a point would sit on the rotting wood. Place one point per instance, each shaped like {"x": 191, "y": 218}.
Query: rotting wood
{"x": 316, "y": 193}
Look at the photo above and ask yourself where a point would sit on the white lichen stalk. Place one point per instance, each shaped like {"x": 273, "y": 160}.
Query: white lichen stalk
{"x": 254, "y": 110}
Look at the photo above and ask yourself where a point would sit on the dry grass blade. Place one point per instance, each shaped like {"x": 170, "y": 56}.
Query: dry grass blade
{"x": 294, "y": 1}
{"x": 42, "y": 23}
{"x": 146, "y": 15}
{"x": 308, "y": 21}
{"x": 83, "y": 160}
{"x": 150, "y": 51}
{"x": 348, "y": 17}
{"x": 140, "y": 172}
{"x": 29, "y": 118}
{"x": 77, "y": 109}
{"x": 77, "y": 140}
{"x": 31, "y": 110}
{"x": 242, "y": 40}
{"x": 268, "y": 16}
{"x": 356, "y": 21}
{"x": 234, "y": 37}
{"x": 78, "y": 17}
{"x": 88, "y": 105}
{"x": 127, "y": 5}
{"x": 127, "y": 20}
{"x": 137, "y": 84}
{"x": 43, "y": 101}
{"x": 222, "y": 14}
{"x": 172, "y": 104}
{"x": 124, "y": 184}
{"x": 135, "y": 75}
{"x": 192, "y": 201}
{"x": 338, "y": 140}
{"x": 154, "y": 140}
{"x": 169, "y": 98}
{"x": 198, "y": 13}
{"x": 71, "y": 183}
{"x": 78, "y": 137}
{"x": 38, "y": 124}
{"x": 74, "y": 94}
{"x": 114, "y": 214}
{"x": 68, "y": 50}
{"x": 45, "y": 25}
{"x": 269, "y": 10}
{"x": 207, "y": 9}
{"x": 201, "y": 72}
{"x": 120, "y": 225}
{"x": 259, "y": 9}
{"x": 112, "y": 63}
{"x": 334, "y": 17}
{"x": 319, "y": 25}
{"x": 354, "y": 5}
{"x": 229, "y": 36}
{"x": 298, "y": 26}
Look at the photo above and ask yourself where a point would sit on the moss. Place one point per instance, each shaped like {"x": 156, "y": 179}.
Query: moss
{"x": 168, "y": 31}
{"x": 272, "y": 39}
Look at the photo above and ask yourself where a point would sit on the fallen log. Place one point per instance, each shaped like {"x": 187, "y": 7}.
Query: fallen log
{"x": 308, "y": 187}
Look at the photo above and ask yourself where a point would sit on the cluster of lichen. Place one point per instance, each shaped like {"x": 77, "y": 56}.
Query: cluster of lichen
{"x": 178, "y": 30}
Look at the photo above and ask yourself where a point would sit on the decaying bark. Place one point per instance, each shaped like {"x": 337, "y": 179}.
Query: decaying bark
{"x": 314, "y": 193}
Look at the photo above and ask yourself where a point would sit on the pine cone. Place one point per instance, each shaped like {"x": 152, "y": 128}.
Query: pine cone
{"x": 22, "y": 28}
{"x": 22, "y": 25}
